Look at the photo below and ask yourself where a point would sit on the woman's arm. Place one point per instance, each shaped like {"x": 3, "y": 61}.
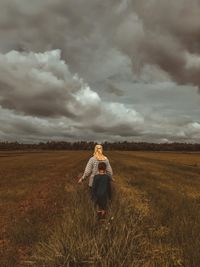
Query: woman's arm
{"x": 88, "y": 170}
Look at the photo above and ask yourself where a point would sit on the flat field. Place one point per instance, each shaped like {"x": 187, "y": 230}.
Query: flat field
{"x": 47, "y": 219}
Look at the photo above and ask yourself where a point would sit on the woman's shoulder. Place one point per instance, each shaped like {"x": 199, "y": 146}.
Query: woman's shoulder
{"x": 104, "y": 159}
{"x": 93, "y": 158}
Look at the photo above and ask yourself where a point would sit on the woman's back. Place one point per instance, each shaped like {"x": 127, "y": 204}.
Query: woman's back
{"x": 92, "y": 168}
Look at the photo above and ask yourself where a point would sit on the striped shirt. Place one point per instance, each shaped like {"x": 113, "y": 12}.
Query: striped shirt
{"x": 91, "y": 169}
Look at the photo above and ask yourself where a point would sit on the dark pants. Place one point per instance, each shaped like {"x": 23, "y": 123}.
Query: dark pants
{"x": 101, "y": 201}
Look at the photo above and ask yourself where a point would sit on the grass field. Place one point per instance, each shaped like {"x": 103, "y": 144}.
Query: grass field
{"x": 47, "y": 219}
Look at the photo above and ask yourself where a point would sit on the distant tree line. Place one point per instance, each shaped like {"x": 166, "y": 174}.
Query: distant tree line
{"x": 83, "y": 145}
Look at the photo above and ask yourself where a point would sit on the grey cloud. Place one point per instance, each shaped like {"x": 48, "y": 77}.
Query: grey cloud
{"x": 154, "y": 32}
{"x": 16, "y": 126}
{"x": 41, "y": 85}
{"x": 32, "y": 129}
{"x": 117, "y": 47}
{"x": 154, "y": 129}
{"x": 163, "y": 33}
{"x": 114, "y": 90}
{"x": 122, "y": 129}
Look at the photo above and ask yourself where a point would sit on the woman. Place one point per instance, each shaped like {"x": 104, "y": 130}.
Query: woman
{"x": 92, "y": 166}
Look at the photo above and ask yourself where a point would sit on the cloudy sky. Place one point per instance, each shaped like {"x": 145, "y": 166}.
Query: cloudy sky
{"x": 96, "y": 70}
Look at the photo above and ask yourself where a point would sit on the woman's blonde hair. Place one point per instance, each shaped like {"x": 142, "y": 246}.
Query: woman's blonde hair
{"x": 98, "y": 152}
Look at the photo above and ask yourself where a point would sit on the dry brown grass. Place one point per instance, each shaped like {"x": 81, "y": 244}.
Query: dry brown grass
{"x": 32, "y": 197}
{"x": 48, "y": 219}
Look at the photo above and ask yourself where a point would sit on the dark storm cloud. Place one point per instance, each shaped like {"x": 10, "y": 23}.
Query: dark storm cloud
{"x": 164, "y": 33}
{"x": 154, "y": 32}
{"x": 122, "y": 128}
{"x": 75, "y": 27}
{"x": 41, "y": 85}
{"x": 106, "y": 43}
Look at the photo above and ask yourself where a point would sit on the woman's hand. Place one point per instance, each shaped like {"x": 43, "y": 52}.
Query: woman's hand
{"x": 80, "y": 180}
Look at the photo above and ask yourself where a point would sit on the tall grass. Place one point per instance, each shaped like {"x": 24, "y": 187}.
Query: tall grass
{"x": 82, "y": 241}
{"x": 79, "y": 240}
{"x": 32, "y": 197}
{"x": 173, "y": 222}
